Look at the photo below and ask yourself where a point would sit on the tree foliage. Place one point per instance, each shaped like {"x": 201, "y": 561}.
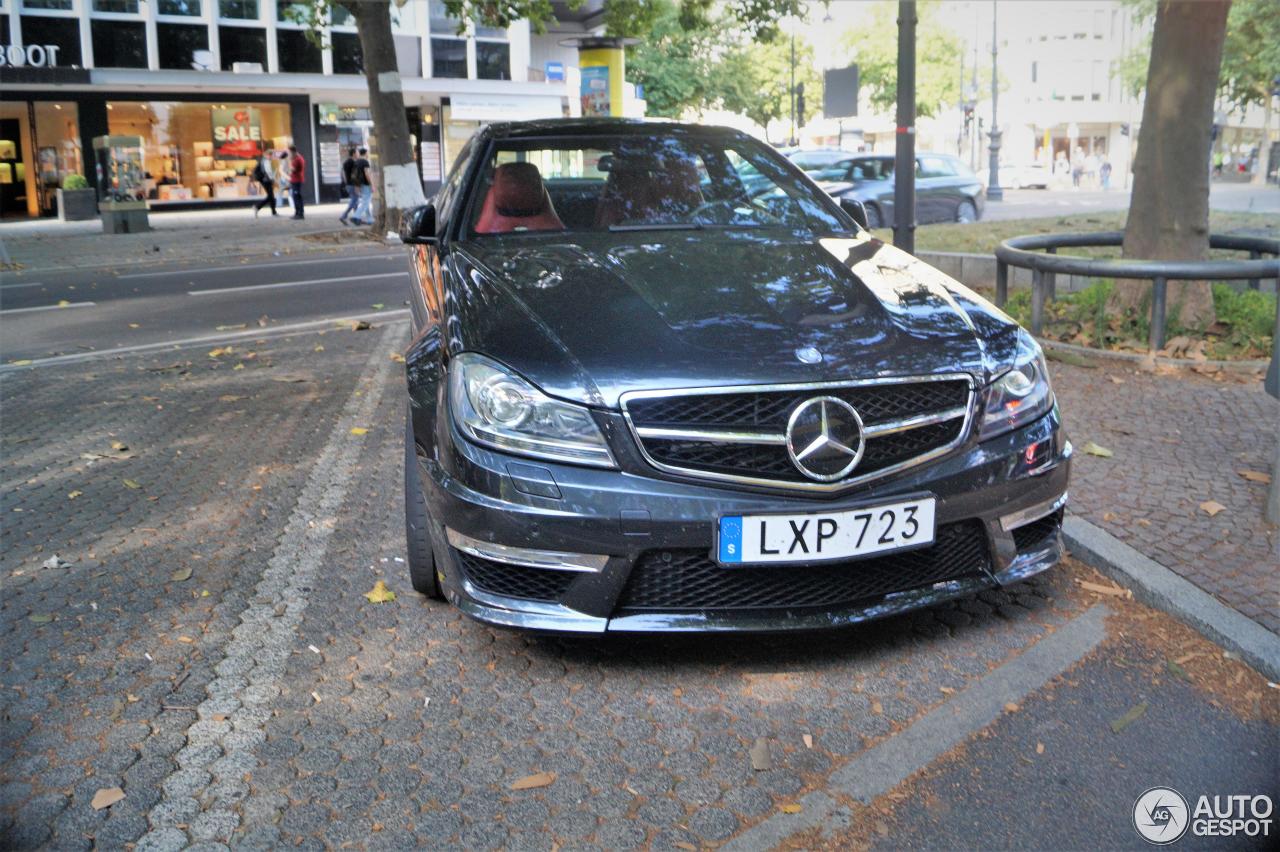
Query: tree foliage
{"x": 874, "y": 47}
{"x": 757, "y": 81}
{"x": 636, "y": 17}
{"x": 1251, "y": 54}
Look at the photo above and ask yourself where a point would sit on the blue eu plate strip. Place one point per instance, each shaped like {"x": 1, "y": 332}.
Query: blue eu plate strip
{"x": 731, "y": 539}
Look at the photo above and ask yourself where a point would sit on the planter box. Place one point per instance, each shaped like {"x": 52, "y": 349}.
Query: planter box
{"x": 75, "y": 205}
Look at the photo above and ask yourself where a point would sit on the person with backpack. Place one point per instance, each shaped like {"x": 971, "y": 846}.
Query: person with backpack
{"x": 263, "y": 176}
{"x": 364, "y": 213}
{"x": 349, "y": 183}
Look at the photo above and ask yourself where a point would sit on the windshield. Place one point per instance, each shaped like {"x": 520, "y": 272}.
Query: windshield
{"x": 634, "y": 181}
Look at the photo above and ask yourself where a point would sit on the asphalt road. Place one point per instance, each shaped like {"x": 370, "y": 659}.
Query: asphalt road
{"x": 54, "y": 314}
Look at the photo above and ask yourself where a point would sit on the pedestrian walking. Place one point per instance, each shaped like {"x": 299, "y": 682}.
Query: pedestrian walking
{"x": 297, "y": 174}
{"x": 1105, "y": 172}
{"x": 364, "y": 213}
{"x": 263, "y": 175}
{"x": 349, "y": 184}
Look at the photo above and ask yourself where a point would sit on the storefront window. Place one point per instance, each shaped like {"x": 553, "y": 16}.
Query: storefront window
{"x": 119, "y": 44}
{"x": 241, "y": 10}
{"x": 493, "y": 60}
{"x": 127, "y": 7}
{"x": 298, "y": 55}
{"x": 242, "y": 44}
{"x": 62, "y": 5}
{"x": 347, "y": 58}
{"x": 185, "y": 8}
{"x": 448, "y": 57}
{"x": 200, "y": 151}
{"x": 57, "y": 148}
{"x": 63, "y": 32}
{"x": 179, "y": 42}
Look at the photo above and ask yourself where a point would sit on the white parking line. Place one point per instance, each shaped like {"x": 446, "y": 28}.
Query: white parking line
{"x": 218, "y": 290}
{"x": 196, "y": 270}
{"x": 65, "y": 307}
{"x": 254, "y": 334}
{"x": 21, "y": 286}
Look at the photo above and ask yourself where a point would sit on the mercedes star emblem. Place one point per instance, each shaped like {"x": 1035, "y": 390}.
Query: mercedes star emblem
{"x": 824, "y": 438}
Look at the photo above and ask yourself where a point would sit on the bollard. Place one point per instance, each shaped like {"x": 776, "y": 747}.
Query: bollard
{"x": 1254, "y": 283}
{"x": 1002, "y": 282}
{"x": 1037, "y": 301}
{"x": 1158, "y": 289}
{"x": 1051, "y": 279}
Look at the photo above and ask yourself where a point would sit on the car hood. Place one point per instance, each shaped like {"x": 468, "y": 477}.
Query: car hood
{"x": 594, "y": 315}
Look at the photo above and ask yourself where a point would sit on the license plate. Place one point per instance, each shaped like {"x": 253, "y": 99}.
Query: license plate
{"x": 821, "y": 536}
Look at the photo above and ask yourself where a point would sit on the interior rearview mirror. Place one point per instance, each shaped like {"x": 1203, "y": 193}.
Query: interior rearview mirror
{"x": 419, "y": 225}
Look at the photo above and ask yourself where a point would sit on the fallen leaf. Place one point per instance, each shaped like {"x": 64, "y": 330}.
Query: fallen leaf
{"x": 380, "y": 593}
{"x": 130, "y": 483}
{"x": 119, "y": 446}
{"x": 62, "y": 303}
{"x": 180, "y": 575}
{"x": 1094, "y": 450}
{"x": 106, "y": 797}
{"x": 1177, "y": 670}
{"x": 397, "y": 357}
{"x": 537, "y": 779}
{"x": 318, "y": 349}
{"x": 239, "y": 366}
{"x": 186, "y": 640}
{"x": 1129, "y": 718}
{"x": 792, "y": 808}
{"x": 687, "y": 847}
{"x": 131, "y": 698}
{"x": 877, "y": 707}
{"x": 377, "y": 306}
{"x": 40, "y": 618}
{"x": 361, "y": 325}
{"x": 71, "y": 495}
{"x": 946, "y": 690}
{"x": 231, "y": 327}
{"x": 134, "y": 325}
{"x": 359, "y": 430}
{"x": 1113, "y": 591}
{"x": 1109, "y": 516}
{"x": 230, "y": 397}
{"x": 1116, "y": 380}
{"x": 760, "y": 758}
{"x": 808, "y": 741}
{"x": 1212, "y": 507}
{"x": 221, "y": 717}
{"x": 21, "y": 362}
{"x": 1256, "y": 476}
{"x": 1010, "y": 707}
{"x": 220, "y": 351}
{"x": 1039, "y": 748}
{"x": 263, "y": 320}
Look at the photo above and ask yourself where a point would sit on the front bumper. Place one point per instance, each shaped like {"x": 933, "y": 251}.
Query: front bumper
{"x": 490, "y": 511}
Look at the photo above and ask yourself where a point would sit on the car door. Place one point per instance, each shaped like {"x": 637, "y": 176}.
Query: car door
{"x": 934, "y": 190}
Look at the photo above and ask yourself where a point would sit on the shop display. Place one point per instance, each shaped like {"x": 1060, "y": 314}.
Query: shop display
{"x": 122, "y": 181}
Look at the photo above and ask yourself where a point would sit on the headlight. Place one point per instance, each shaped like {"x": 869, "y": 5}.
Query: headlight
{"x": 495, "y": 407}
{"x": 1020, "y": 395}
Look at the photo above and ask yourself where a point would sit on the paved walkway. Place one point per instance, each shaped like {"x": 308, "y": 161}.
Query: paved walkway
{"x": 1180, "y": 442}
{"x": 44, "y": 245}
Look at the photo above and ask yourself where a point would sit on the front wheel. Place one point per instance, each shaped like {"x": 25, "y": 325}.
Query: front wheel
{"x": 966, "y": 212}
{"x": 422, "y": 562}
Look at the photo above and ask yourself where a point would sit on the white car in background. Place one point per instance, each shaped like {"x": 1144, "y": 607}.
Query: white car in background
{"x": 1019, "y": 176}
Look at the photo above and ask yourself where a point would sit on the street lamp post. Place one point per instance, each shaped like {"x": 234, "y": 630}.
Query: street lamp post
{"x": 994, "y": 192}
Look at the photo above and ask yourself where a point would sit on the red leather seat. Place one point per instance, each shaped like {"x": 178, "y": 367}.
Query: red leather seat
{"x": 663, "y": 191}
{"x": 517, "y": 201}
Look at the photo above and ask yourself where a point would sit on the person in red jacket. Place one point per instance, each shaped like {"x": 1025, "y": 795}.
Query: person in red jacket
{"x": 297, "y": 174}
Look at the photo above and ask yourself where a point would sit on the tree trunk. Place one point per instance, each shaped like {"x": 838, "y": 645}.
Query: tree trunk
{"x": 399, "y": 187}
{"x": 1169, "y": 209}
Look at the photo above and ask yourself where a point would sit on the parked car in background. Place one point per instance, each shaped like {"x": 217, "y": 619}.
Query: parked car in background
{"x": 818, "y": 158}
{"x": 659, "y": 381}
{"x": 1019, "y": 176}
{"x": 947, "y": 190}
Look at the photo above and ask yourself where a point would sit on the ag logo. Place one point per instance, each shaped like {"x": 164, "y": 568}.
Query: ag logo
{"x": 1161, "y": 815}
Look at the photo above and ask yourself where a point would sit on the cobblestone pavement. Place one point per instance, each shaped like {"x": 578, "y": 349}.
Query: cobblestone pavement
{"x": 1179, "y": 440}
{"x": 45, "y": 245}
{"x": 208, "y": 649}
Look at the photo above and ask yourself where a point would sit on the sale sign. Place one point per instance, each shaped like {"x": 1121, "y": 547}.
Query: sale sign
{"x": 237, "y": 133}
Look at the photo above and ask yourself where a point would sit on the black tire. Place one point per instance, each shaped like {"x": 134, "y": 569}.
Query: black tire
{"x": 966, "y": 211}
{"x": 874, "y": 219}
{"x": 422, "y": 561}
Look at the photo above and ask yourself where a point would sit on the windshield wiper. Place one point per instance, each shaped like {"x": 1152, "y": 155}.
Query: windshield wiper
{"x": 659, "y": 226}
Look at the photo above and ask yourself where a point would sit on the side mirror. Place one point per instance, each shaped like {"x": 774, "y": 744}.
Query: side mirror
{"x": 856, "y": 211}
{"x": 419, "y": 225}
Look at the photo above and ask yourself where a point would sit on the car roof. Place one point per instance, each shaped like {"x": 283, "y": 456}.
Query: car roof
{"x": 601, "y": 126}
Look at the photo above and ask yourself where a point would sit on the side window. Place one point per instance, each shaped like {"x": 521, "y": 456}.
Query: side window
{"x": 447, "y": 197}
{"x": 933, "y": 167}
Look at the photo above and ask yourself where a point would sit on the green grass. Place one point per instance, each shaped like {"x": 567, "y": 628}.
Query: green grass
{"x": 1243, "y": 330}
{"x": 983, "y": 237}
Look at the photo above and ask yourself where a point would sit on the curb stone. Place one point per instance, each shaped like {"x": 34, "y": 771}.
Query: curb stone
{"x": 1159, "y": 587}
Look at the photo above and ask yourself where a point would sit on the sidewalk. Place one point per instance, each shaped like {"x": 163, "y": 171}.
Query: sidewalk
{"x": 1174, "y": 488}
{"x": 44, "y": 245}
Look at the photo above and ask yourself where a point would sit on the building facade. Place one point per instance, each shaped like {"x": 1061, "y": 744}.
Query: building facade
{"x": 208, "y": 85}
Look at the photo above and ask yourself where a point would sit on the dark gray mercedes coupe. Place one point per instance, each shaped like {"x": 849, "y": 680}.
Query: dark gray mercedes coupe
{"x": 659, "y": 381}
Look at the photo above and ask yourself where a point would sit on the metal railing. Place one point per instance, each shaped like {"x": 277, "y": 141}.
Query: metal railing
{"x": 1025, "y": 253}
